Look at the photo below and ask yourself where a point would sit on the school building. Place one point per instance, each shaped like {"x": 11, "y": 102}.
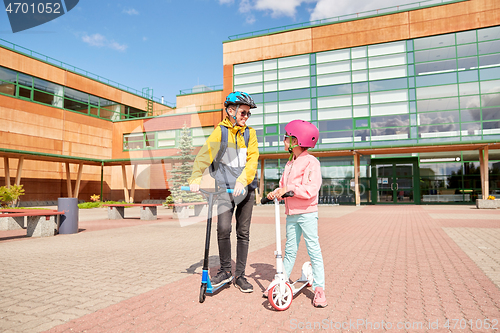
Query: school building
{"x": 406, "y": 98}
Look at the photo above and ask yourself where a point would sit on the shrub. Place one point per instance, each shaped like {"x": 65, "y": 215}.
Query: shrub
{"x": 9, "y": 195}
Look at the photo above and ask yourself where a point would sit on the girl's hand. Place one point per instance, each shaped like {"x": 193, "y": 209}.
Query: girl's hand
{"x": 277, "y": 193}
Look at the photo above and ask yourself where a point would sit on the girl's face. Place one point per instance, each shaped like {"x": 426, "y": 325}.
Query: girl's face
{"x": 286, "y": 141}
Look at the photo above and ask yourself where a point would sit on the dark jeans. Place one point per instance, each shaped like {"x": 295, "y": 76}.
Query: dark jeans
{"x": 225, "y": 210}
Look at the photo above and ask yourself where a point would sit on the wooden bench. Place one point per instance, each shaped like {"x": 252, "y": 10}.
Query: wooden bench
{"x": 181, "y": 210}
{"x": 117, "y": 211}
{"x": 40, "y": 222}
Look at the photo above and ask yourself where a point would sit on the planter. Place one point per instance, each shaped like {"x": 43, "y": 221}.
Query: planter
{"x": 487, "y": 204}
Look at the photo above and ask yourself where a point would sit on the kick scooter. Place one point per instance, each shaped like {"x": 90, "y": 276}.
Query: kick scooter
{"x": 280, "y": 292}
{"x": 206, "y": 285}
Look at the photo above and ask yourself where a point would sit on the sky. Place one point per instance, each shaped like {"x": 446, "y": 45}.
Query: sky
{"x": 167, "y": 45}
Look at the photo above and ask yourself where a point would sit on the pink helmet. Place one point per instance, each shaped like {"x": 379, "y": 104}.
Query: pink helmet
{"x": 306, "y": 133}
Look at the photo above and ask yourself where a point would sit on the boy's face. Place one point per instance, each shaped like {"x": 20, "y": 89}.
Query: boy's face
{"x": 242, "y": 115}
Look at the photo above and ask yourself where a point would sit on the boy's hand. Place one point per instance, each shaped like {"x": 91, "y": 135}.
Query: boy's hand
{"x": 194, "y": 188}
{"x": 239, "y": 189}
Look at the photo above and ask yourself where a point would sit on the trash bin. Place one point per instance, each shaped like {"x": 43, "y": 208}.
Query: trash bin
{"x": 69, "y": 220}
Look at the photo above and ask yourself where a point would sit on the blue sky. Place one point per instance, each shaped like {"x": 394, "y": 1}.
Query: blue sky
{"x": 166, "y": 45}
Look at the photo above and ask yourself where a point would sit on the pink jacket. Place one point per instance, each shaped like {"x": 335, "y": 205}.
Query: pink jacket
{"x": 302, "y": 176}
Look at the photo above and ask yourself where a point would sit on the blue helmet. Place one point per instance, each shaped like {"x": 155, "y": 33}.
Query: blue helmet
{"x": 238, "y": 98}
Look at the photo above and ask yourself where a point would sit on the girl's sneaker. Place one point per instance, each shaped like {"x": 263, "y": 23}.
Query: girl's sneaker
{"x": 319, "y": 298}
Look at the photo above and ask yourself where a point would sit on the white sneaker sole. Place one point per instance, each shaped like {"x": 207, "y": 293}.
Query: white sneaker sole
{"x": 222, "y": 282}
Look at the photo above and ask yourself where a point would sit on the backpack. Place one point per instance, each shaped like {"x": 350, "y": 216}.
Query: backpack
{"x": 225, "y": 175}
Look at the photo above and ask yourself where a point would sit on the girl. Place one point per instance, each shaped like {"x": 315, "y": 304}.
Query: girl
{"x": 302, "y": 175}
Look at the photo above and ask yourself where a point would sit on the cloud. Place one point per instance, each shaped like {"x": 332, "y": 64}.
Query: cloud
{"x": 328, "y": 8}
{"x": 250, "y": 19}
{"x": 94, "y": 40}
{"x": 319, "y": 9}
{"x": 131, "y": 11}
{"x": 99, "y": 40}
{"x": 279, "y": 7}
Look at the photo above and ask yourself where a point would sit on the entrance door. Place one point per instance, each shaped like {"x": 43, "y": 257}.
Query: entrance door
{"x": 394, "y": 181}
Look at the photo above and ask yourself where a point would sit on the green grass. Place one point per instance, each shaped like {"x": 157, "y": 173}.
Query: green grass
{"x": 98, "y": 204}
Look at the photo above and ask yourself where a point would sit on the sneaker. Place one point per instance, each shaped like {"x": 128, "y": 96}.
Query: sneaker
{"x": 221, "y": 278}
{"x": 242, "y": 283}
{"x": 319, "y": 298}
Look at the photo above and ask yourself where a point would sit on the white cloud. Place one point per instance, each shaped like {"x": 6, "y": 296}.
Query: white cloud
{"x": 328, "y": 8}
{"x": 319, "y": 9}
{"x": 245, "y": 6}
{"x": 99, "y": 40}
{"x": 117, "y": 46}
{"x": 250, "y": 19}
{"x": 94, "y": 40}
{"x": 131, "y": 11}
{"x": 280, "y": 7}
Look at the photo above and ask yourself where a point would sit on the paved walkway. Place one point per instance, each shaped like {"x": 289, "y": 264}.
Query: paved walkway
{"x": 431, "y": 268}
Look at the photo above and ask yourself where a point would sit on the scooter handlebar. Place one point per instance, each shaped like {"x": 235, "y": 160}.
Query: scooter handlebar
{"x": 288, "y": 194}
{"x": 187, "y": 188}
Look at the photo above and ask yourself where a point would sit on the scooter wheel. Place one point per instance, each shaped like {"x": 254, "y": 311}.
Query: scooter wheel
{"x": 278, "y": 300}
{"x": 203, "y": 291}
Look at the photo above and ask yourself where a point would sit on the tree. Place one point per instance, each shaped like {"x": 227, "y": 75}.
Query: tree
{"x": 182, "y": 172}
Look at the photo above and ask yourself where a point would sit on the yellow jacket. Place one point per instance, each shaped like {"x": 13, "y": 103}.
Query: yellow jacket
{"x": 247, "y": 156}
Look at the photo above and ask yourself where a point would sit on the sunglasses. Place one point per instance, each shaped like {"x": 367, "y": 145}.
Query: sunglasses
{"x": 285, "y": 137}
{"x": 245, "y": 114}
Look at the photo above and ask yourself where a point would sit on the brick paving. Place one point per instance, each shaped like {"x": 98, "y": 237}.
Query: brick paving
{"x": 384, "y": 265}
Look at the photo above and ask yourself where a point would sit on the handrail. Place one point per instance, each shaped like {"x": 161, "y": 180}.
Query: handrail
{"x": 347, "y": 17}
{"x": 200, "y": 89}
{"x": 71, "y": 68}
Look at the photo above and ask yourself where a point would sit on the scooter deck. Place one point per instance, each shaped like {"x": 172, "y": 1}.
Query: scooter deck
{"x": 298, "y": 286}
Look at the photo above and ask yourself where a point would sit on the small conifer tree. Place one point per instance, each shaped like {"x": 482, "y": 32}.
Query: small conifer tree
{"x": 181, "y": 173}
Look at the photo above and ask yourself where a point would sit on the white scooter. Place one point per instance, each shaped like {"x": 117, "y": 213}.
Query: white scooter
{"x": 280, "y": 292}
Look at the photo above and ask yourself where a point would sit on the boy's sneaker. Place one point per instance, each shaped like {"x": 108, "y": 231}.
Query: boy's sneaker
{"x": 242, "y": 283}
{"x": 221, "y": 278}
{"x": 319, "y": 298}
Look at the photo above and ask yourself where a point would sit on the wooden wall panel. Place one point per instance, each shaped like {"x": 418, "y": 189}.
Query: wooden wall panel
{"x": 211, "y": 100}
{"x": 133, "y": 100}
{"x": 266, "y": 47}
{"x": 362, "y": 32}
{"x": 474, "y": 14}
{"x": 90, "y": 86}
{"x": 31, "y": 66}
{"x": 205, "y": 119}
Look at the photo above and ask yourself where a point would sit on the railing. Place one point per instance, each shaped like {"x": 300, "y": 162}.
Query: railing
{"x": 71, "y": 68}
{"x": 199, "y": 89}
{"x": 348, "y": 17}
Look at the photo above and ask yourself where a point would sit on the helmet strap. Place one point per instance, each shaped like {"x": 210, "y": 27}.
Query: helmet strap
{"x": 290, "y": 148}
{"x": 230, "y": 116}
{"x": 236, "y": 112}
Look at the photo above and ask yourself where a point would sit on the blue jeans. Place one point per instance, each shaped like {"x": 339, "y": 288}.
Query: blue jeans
{"x": 306, "y": 224}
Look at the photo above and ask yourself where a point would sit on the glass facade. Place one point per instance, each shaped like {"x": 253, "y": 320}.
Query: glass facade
{"x": 27, "y": 87}
{"x": 164, "y": 139}
{"x": 432, "y": 90}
